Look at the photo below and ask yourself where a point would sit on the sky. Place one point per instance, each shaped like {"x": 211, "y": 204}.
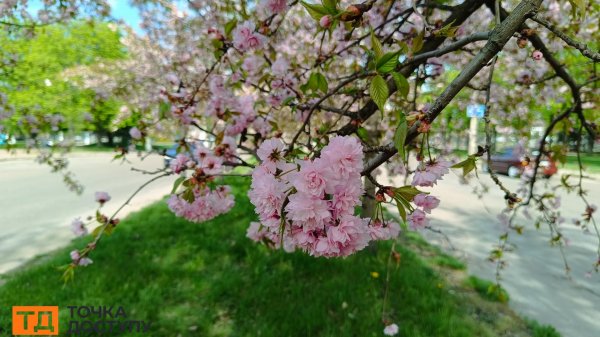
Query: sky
{"x": 120, "y": 9}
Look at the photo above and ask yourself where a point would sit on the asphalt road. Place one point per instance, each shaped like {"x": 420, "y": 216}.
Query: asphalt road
{"x": 37, "y": 208}
{"x": 535, "y": 277}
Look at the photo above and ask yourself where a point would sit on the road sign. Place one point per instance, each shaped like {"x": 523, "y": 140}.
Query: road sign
{"x": 475, "y": 110}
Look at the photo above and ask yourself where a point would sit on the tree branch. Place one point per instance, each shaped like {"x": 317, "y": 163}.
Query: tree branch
{"x": 498, "y": 38}
{"x": 582, "y": 47}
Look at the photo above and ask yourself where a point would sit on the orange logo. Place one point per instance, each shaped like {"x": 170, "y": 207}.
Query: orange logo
{"x": 35, "y": 320}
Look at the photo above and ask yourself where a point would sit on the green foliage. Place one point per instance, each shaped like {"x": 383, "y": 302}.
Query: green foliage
{"x": 467, "y": 165}
{"x": 400, "y": 134}
{"x": 379, "y": 92}
{"x": 36, "y": 84}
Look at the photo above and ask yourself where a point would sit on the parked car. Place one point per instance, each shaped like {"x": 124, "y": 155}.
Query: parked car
{"x": 172, "y": 152}
{"x": 512, "y": 164}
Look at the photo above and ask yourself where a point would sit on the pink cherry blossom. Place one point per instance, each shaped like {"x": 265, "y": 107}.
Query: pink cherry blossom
{"x": 310, "y": 179}
{"x": 308, "y": 211}
{"x": 211, "y": 165}
{"x": 181, "y": 163}
{"x": 280, "y": 67}
{"x": 423, "y": 177}
{"x": 426, "y": 202}
{"x": 102, "y": 197}
{"x": 270, "y": 7}
{"x": 135, "y": 133}
{"x": 78, "y": 227}
{"x": 537, "y": 55}
{"x": 245, "y": 38}
{"x": 391, "y": 330}
{"x": 271, "y": 154}
{"x": 417, "y": 219}
{"x": 439, "y": 167}
{"x": 207, "y": 204}
{"x": 80, "y": 261}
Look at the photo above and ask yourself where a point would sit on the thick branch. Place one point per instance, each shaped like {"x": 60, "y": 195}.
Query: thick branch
{"x": 498, "y": 38}
{"x": 461, "y": 13}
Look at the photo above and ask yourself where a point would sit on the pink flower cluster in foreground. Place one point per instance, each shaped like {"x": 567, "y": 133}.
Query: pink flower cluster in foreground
{"x": 321, "y": 194}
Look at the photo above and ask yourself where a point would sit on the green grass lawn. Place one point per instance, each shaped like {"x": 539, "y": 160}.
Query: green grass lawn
{"x": 210, "y": 280}
{"x": 591, "y": 162}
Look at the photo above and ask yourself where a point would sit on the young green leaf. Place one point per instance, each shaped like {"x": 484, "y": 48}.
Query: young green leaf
{"x": 387, "y": 63}
{"x": 376, "y": 45}
{"x": 363, "y": 134}
{"x": 407, "y": 192}
{"x": 467, "y": 165}
{"x": 322, "y": 83}
{"x": 401, "y": 210}
{"x": 177, "y": 183}
{"x": 417, "y": 42}
{"x": 230, "y": 25}
{"x": 379, "y": 92}
{"x": 400, "y": 135}
{"x": 330, "y": 6}
{"x": 315, "y": 11}
{"x": 401, "y": 83}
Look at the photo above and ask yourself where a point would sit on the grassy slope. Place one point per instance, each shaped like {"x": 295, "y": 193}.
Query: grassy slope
{"x": 209, "y": 280}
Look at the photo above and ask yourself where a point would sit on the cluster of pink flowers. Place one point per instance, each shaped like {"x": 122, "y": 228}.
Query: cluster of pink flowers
{"x": 271, "y": 7}
{"x": 283, "y": 84}
{"x": 207, "y": 204}
{"x": 425, "y": 203}
{"x": 427, "y": 174}
{"x": 322, "y": 193}
{"x": 244, "y": 114}
{"x": 245, "y": 38}
{"x": 80, "y": 261}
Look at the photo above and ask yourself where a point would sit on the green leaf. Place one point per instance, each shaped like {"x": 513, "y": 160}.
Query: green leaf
{"x": 177, "y": 183}
{"x": 330, "y": 6}
{"x": 229, "y": 26}
{"x": 316, "y": 81}
{"x": 447, "y": 30}
{"x": 401, "y": 84}
{"x": 407, "y": 192}
{"x": 96, "y": 231}
{"x": 362, "y": 133}
{"x": 401, "y": 210}
{"x": 315, "y": 11}
{"x": 387, "y": 63}
{"x": 400, "y": 135}
{"x": 188, "y": 195}
{"x": 467, "y": 165}
{"x": 376, "y": 45}
{"x": 322, "y": 83}
{"x": 417, "y": 42}
{"x": 379, "y": 92}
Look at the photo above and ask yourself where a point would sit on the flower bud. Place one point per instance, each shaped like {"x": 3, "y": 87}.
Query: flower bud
{"x": 325, "y": 21}
{"x": 537, "y": 55}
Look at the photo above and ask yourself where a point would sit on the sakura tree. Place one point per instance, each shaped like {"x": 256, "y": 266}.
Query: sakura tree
{"x": 312, "y": 101}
